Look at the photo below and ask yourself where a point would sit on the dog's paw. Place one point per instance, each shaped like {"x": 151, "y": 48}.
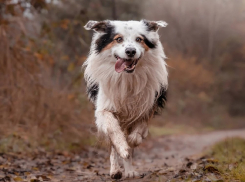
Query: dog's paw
{"x": 134, "y": 139}
{"x": 133, "y": 174}
{"x": 145, "y": 133}
{"x": 137, "y": 135}
{"x": 116, "y": 174}
{"x": 123, "y": 151}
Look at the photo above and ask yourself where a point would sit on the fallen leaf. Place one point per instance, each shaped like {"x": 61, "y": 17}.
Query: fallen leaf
{"x": 18, "y": 178}
{"x": 211, "y": 169}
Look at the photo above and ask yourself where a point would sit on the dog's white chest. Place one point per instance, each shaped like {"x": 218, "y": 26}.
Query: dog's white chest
{"x": 130, "y": 98}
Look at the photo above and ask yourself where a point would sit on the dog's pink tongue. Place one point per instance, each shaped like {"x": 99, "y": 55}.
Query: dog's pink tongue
{"x": 120, "y": 65}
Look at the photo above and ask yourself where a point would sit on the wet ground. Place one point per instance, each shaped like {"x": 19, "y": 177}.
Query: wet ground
{"x": 166, "y": 158}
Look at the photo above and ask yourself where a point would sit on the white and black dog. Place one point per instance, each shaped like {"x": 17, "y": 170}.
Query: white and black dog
{"x": 127, "y": 80}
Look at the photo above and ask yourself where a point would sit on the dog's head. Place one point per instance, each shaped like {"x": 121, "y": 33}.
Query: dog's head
{"x": 125, "y": 42}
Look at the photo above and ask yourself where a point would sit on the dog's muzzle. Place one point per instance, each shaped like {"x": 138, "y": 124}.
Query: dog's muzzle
{"x": 127, "y": 65}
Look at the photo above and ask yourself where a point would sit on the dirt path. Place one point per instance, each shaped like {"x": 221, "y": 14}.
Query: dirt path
{"x": 159, "y": 158}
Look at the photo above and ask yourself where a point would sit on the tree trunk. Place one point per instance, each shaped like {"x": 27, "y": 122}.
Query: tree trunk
{"x": 114, "y": 14}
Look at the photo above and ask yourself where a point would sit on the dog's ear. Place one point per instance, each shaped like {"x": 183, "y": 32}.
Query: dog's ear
{"x": 154, "y": 25}
{"x": 98, "y": 26}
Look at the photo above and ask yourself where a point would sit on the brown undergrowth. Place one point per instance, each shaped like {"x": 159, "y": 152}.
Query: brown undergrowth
{"x": 37, "y": 108}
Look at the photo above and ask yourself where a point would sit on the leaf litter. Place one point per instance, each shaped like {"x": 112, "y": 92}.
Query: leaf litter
{"x": 162, "y": 159}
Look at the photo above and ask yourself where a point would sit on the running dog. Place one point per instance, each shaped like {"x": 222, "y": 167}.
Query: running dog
{"x": 126, "y": 80}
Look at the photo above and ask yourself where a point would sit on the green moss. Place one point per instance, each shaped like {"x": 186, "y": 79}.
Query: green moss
{"x": 230, "y": 155}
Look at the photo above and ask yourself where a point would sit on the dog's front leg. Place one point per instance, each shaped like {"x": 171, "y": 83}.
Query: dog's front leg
{"x": 109, "y": 125}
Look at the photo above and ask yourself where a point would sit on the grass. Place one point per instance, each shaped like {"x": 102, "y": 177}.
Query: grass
{"x": 169, "y": 129}
{"x": 230, "y": 155}
{"x": 156, "y": 131}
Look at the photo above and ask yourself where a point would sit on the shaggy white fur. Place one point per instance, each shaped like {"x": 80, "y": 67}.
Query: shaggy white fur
{"x": 124, "y": 99}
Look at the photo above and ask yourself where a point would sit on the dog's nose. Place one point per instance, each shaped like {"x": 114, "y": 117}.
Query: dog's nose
{"x": 130, "y": 52}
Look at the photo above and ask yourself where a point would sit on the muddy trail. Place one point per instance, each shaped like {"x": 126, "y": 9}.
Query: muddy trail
{"x": 165, "y": 158}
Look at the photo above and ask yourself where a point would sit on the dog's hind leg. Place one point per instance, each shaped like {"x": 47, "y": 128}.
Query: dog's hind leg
{"x": 115, "y": 171}
{"x": 109, "y": 125}
{"x": 129, "y": 168}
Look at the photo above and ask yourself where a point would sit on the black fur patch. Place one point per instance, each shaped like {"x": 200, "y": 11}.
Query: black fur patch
{"x": 161, "y": 100}
{"x": 92, "y": 92}
{"x": 150, "y": 44}
{"x": 105, "y": 39}
{"x": 151, "y": 26}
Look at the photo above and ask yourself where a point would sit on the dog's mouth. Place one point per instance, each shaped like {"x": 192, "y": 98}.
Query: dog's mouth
{"x": 127, "y": 65}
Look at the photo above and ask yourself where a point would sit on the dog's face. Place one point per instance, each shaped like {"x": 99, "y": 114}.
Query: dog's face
{"x": 125, "y": 41}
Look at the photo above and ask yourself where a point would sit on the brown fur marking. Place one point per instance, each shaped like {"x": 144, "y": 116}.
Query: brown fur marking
{"x": 109, "y": 46}
{"x": 143, "y": 44}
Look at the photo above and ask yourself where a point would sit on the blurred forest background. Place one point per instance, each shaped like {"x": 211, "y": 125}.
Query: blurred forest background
{"x": 43, "y": 45}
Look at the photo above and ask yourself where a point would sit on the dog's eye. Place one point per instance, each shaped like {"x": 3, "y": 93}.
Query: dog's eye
{"x": 119, "y": 39}
{"x": 138, "y": 39}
